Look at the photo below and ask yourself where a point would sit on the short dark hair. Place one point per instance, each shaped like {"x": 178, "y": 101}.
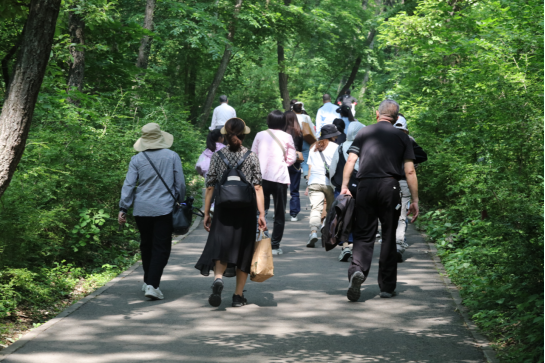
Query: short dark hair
{"x": 223, "y": 98}
{"x": 326, "y": 97}
{"x": 340, "y": 124}
{"x": 347, "y": 92}
{"x": 276, "y": 120}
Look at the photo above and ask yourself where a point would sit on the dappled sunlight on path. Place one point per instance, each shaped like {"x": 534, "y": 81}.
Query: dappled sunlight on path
{"x": 300, "y": 315}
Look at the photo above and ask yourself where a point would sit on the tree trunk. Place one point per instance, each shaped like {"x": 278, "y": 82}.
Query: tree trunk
{"x": 5, "y": 62}
{"x": 222, "y": 68}
{"x": 370, "y": 41}
{"x": 76, "y": 28}
{"x": 145, "y": 44}
{"x": 283, "y": 78}
{"x": 25, "y": 85}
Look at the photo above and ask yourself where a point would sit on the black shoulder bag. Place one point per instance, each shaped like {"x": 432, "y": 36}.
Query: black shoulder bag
{"x": 233, "y": 190}
{"x": 181, "y": 212}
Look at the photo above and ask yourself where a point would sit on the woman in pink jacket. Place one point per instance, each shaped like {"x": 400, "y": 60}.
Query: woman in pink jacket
{"x": 276, "y": 151}
{"x": 214, "y": 143}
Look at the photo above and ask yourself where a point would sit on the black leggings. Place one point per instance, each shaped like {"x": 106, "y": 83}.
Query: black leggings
{"x": 155, "y": 246}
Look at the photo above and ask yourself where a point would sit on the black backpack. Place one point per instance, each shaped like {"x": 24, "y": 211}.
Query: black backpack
{"x": 233, "y": 190}
{"x": 337, "y": 179}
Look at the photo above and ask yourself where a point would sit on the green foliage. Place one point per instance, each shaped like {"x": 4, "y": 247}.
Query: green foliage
{"x": 469, "y": 79}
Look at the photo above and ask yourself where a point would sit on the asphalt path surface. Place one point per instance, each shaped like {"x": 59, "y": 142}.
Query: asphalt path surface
{"x": 300, "y": 315}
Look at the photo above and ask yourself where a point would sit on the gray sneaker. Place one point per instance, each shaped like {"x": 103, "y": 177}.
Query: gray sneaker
{"x": 277, "y": 251}
{"x": 346, "y": 253}
{"x": 313, "y": 238}
{"x": 387, "y": 295}
{"x": 144, "y": 287}
{"x": 353, "y": 293}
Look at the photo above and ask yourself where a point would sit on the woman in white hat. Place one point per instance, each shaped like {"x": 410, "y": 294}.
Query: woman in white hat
{"x": 152, "y": 201}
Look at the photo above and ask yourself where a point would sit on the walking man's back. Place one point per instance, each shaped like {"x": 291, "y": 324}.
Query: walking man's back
{"x": 222, "y": 114}
{"x": 384, "y": 152}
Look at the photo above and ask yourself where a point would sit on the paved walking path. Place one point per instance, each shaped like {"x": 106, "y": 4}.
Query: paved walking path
{"x": 300, "y": 315}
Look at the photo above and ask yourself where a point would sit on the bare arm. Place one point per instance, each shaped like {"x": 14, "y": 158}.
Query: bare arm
{"x": 260, "y": 207}
{"x": 348, "y": 169}
{"x": 207, "y": 204}
{"x": 412, "y": 182}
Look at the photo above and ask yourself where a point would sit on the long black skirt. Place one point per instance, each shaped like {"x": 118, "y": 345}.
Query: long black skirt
{"x": 231, "y": 240}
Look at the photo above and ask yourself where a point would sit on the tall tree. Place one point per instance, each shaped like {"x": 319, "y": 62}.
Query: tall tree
{"x": 218, "y": 77}
{"x": 282, "y": 76}
{"x": 25, "y": 85}
{"x": 76, "y": 28}
{"x": 145, "y": 43}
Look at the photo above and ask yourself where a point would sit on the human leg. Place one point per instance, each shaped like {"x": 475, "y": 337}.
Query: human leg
{"x": 365, "y": 228}
{"x": 162, "y": 244}
{"x": 389, "y": 209}
{"x": 145, "y": 227}
{"x": 402, "y": 224}
{"x": 279, "y": 195}
{"x": 295, "y": 180}
{"x": 317, "y": 199}
{"x": 242, "y": 277}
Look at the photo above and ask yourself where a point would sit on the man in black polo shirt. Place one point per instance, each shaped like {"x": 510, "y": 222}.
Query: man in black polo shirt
{"x": 384, "y": 152}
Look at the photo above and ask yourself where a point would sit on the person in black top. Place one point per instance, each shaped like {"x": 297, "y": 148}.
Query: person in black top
{"x": 348, "y": 100}
{"x": 384, "y": 154}
{"x": 340, "y": 126}
{"x": 294, "y": 129}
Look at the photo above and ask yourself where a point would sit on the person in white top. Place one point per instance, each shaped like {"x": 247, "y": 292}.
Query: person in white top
{"x": 302, "y": 117}
{"x": 319, "y": 185}
{"x": 326, "y": 114}
{"x": 222, "y": 113}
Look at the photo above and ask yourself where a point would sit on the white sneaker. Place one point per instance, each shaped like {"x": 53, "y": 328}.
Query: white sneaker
{"x": 277, "y": 251}
{"x": 380, "y": 241}
{"x": 313, "y": 238}
{"x": 346, "y": 253}
{"x": 294, "y": 219}
{"x": 144, "y": 287}
{"x": 154, "y": 294}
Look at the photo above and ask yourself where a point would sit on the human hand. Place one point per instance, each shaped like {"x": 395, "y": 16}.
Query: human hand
{"x": 344, "y": 190}
{"x": 262, "y": 223}
{"x": 122, "y": 218}
{"x": 207, "y": 222}
{"x": 306, "y": 192}
{"x": 414, "y": 210}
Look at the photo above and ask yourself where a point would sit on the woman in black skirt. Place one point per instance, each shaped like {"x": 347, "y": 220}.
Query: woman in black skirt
{"x": 230, "y": 244}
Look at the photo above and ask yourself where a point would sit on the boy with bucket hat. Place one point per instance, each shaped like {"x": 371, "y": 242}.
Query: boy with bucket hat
{"x": 152, "y": 203}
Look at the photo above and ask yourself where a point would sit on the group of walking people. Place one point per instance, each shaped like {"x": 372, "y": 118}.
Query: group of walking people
{"x": 373, "y": 164}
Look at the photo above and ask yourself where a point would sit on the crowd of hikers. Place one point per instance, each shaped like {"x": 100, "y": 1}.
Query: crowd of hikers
{"x": 361, "y": 182}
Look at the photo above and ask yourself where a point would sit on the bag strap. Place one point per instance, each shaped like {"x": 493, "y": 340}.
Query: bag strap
{"x": 160, "y": 177}
{"x": 278, "y": 142}
{"x": 239, "y": 165}
{"x": 323, "y": 159}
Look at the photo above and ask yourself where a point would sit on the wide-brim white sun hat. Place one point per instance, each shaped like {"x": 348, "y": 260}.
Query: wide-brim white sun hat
{"x": 153, "y": 138}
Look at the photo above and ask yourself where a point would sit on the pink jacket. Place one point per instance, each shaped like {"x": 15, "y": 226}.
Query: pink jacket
{"x": 274, "y": 167}
{"x": 203, "y": 164}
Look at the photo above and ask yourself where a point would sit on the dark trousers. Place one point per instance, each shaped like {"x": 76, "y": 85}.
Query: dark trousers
{"x": 279, "y": 193}
{"x": 295, "y": 181}
{"x": 377, "y": 199}
{"x": 155, "y": 246}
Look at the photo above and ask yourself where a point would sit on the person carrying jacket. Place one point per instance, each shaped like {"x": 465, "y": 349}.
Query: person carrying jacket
{"x": 336, "y": 173}
{"x": 384, "y": 153}
{"x": 153, "y": 203}
{"x": 275, "y": 150}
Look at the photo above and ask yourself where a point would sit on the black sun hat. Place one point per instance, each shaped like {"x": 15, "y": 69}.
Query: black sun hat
{"x": 329, "y": 131}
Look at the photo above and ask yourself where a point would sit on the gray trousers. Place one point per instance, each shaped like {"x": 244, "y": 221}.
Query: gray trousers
{"x": 402, "y": 224}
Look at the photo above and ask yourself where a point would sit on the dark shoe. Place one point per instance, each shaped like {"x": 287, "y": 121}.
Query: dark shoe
{"x": 399, "y": 257}
{"x": 217, "y": 288}
{"x": 239, "y": 301}
{"x": 353, "y": 293}
{"x": 387, "y": 295}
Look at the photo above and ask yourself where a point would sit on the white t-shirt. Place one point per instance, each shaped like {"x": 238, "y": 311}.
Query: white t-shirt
{"x": 317, "y": 170}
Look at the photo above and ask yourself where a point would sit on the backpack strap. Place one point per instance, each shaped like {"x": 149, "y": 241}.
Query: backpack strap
{"x": 325, "y": 164}
{"x": 220, "y": 153}
{"x": 239, "y": 165}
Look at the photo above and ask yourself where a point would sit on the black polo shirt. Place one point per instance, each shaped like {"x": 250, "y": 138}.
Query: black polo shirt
{"x": 382, "y": 150}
